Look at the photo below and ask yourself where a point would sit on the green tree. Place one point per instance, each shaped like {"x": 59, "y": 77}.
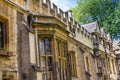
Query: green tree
{"x": 106, "y": 12}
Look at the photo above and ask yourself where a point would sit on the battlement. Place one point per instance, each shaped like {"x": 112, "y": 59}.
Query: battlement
{"x": 65, "y": 20}
{"x": 47, "y": 8}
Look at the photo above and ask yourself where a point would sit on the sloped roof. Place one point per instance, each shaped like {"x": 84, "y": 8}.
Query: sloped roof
{"x": 92, "y": 27}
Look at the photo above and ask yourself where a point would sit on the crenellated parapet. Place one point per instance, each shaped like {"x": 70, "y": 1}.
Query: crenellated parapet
{"x": 50, "y": 13}
{"x": 46, "y": 11}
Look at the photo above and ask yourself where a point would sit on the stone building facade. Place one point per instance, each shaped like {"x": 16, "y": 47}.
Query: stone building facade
{"x": 38, "y": 41}
{"x": 116, "y": 45}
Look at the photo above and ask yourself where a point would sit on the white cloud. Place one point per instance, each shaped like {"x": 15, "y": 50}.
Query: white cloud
{"x": 55, "y": 1}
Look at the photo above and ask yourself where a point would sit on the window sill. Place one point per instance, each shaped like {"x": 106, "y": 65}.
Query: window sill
{"x": 5, "y": 53}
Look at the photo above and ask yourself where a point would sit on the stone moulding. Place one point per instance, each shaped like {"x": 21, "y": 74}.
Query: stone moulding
{"x": 6, "y": 53}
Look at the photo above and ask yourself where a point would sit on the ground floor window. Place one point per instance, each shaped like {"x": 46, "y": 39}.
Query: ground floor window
{"x": 62, "y": 59}
{"x": 46, "y": 57}
{"x": 72, "y": 61}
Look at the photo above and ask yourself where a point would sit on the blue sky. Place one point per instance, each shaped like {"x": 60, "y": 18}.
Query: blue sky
{"x": 65, "y": 4}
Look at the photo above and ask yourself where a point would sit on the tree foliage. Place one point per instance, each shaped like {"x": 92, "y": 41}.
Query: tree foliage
{"x": 106, "y": 12}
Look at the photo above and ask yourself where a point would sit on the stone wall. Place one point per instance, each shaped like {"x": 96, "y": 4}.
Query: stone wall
{"x": 23, "y": 49}
{"x": 8, "y": 64}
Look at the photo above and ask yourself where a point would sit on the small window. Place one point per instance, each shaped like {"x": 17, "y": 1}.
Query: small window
{"x": 113, "y": 64}
{"x": 58, "y": 45}
{"x": 87, "y": 65}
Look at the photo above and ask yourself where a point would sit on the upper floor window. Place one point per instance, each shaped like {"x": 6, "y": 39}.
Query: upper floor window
{"x": 104, "y": 43}
{"x": 1, "y": 35}
{"x": 109, "y": 64}
{"x": 96, "y": 40}
{"x": 87, "y": 64}
{"x": 113, "y": 65}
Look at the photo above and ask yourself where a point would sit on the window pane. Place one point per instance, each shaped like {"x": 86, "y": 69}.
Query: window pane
{"x": 43, "y": 63}
{"x": 1, "y": 35}
{"x": 50, "y": 77}
{"x": 58, "y": 48}
{"x": 43, "y": 68}
{"x": 42, "y": 48}
{"x": 49, "y": 63}
{"x": 87, "y": 64}
{"x": 47, "y": 44}
{"x": 65, "y": 50}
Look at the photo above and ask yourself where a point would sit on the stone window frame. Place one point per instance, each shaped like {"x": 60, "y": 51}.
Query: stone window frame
{"x": 62, "y": 58}
{"x": 4, "y": 22}
{"x": 113, "y": 66}
{"x": 109, "y": 66}
{"x": 72, "y": 59}
{"x": 87, "y": 63}
{"x": 46, "y": 71}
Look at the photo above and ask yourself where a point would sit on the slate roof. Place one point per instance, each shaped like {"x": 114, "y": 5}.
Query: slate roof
{"x": 92, "y": 27}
